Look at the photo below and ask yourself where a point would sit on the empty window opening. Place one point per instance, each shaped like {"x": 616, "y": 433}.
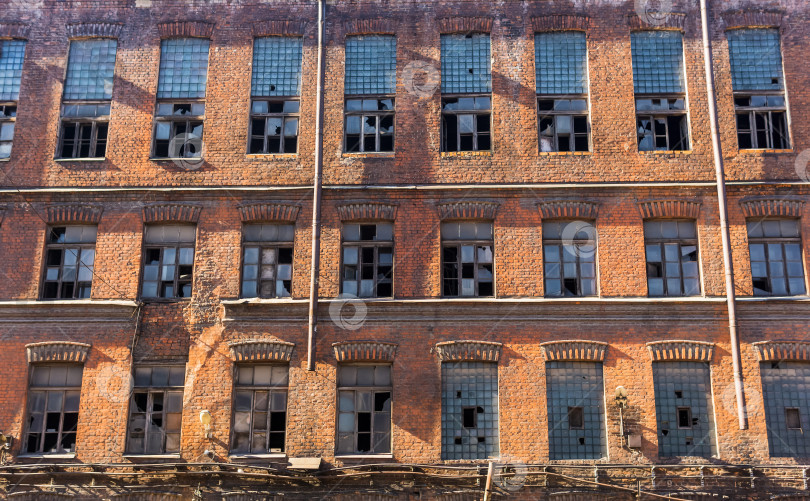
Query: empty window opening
{"x": 12, "y": 53}
{"x": 792, "y": 418}
{"x": 576, "y": 418}
{"x": 684, "y": 418}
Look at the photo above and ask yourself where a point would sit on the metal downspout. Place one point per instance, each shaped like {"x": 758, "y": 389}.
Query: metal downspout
{"x": 742, "y": 414}
{"x": 316, "y": 200}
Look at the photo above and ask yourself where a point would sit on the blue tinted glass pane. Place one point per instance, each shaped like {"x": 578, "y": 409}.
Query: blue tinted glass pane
{"x": 756, "y": 59}
{"x": 183, "y": 68}
{"x": 277, "y": 66}
{"x": 466, "y": 64}
{"x": 560, "y": 61}
{"x": 11, "y": 62}
{"x": 658, "y": 62}
{"x": 90, "y": 70}
{"x": 371, "y": 64}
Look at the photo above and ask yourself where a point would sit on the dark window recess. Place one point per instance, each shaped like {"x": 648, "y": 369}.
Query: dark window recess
{"x": 662, "y": 124}
{"x": 168, "y": 262}
{"x": 267, "y": 262}
{"x": 70, "y": 256}
{"x": 53, "y": 409}
{"x": 792, "y": 418}
{"x": 576, "y": 418}
{"x": 762, "y": 122}
{"x": 467, "y": 259}
{"x": 369, "y": 125}
{"x": 672, "y": 258}
{"x": 8, "y": 120}
{"x": 364, "y": 409}
{"x": 563, "y": 124}
{"x": 178, "y": 130}
{"x": 84, "y": 130}
{"x": 260, "y": 409}
{"x": 274, "y": 126}
{"x": 368, "y": 260}
{"x": 469, "y": 417}
{"x": 155, "y": 410}
{"x": 684, "y": 418}
{"x": 466, "y": 123}
{"x": 775, "y": 247}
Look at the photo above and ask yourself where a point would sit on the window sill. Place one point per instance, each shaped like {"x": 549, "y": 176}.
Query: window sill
{"x": 369, "y": 154}
{"x": 7, "y": 159}
{"x": 466, "y": 154}
{"x": 269, "y": 157}
{"x": 564, "y": 153}
{"x": 151, "y": 456}
{"x": 763, "y": 151}
{"x": 71, "y": 455}
{"x": 363, "y": 457}
{"x": 90, "y": 159}
{"x": 165, "y": 300}
{"x": 774, "y": 298}
{"x": 666, "y": 152}
{"x": 176, "y": 159}
{"x": 242, "y": 457}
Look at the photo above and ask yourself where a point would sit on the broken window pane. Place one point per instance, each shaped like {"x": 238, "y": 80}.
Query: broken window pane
{"x": 469, "y": 410}
{"x": 277, "y": 66}
{"x": 777, "y": 268}
{"x": 370, "y": 64}
{"x": 756, "y": 59}
{"x": 70, "y": 257}
{"x": 260, "y": 409}
{"x": 364, "y": 415}
{"x": 368, "y": 260}
{"x": 561, "y": 62}
{"x": 156, "y": 410}
{"x": 267, "y": 260}
{"x": 168, "y": 261}
{"x": 672, "y": 258}
{"x": 466, "y": 124}
{"x": 183, "y": 68}
{"x": 53, "y": 414}
{"x": 465, "y": 61}
{"x": 370, "y": 126}
{"x": 467, "y": 259}
{"x": 658, "y": 62}
{"x": 12, "y": 53}
{"x": 90, "y": 70}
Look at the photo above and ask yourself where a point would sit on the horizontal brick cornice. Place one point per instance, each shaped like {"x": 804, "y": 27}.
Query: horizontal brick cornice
{"x": 557, "y": 209}
{"x": 268, "y": 212}
{"x": 364, "y": 351}
{"x": 171, "y": 213}
{"x": 199, "y": 29}
{"x": 74, "y": 214}
{"x": 561, "y": 23}
{"x": 14, "y": 30}
{"x": 270, "y": 28}
{"x": 469, "y": 351}
{"x": 261, "y": 351}
{"x": 578, "y": 350}
{"x": 657, "y": 20}
{"x": 367, "y": 210}
{"x": 774, "y": 351}
{"x": 752, "y": 18}
{"x": 368, "y": 26}
{"x": 94, "y": 30}
{"x": 669, "y": 208}
{"x": 57, "y": 351}
{"x": 465, "y": 24}
{"x": 674, "y": 350}
{"x": 766, "y": 207}
{"x": 469, "y": 209}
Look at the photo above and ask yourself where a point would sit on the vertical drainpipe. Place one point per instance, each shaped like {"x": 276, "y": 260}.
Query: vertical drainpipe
{"x": 316, "y": 200}
{"x": 742, "y": 414}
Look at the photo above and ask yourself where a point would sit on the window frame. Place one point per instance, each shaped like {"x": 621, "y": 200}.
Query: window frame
{"x": 173, "y": 120}
{"x": 360, "y": 244}
{"x": 146, "y": 246}
{"x": 542, "y": 114}
{"x": 78, "y": 122}
{"x": 753, "y": 111}
{"x": 781, "y": 241}
{"x": 276, "y": 245}
{"x": 373, "y": 390}
{"x": 658, "y": 114}
{"x": 284, "y": 116}
{"x": 63, "y": 247}
{"x": 475, "y": 243}
{"x": 471, "y": 112}
{"x": 363, "y": 114}
{"x": 560, "y": 244}
{"x": 680, "y": 242}
{"x": 151, "y": 390}
{"x": 8, "y": 119}
{"x": 43, "y": 430}
{"x": 270, "y": 389}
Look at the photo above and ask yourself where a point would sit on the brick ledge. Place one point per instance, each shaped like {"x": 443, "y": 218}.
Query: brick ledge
{"x": 365, "y": 351}
{"x": 657, "y": 20}
{"x": 278, "y": 27}
{"x": 268, "y": 212}
{"x": 557, "y": 209}
{"x": 196, "y": 29}
{"x": 368, "y": 211}
{"x": 774, "y": 351}
{"x": 465, "y": 25}
{"x": 698, "y": 351}
{"x": 472, "y": 351}
{"x": 258, "y": 350}
{"x": 179, "y": 213}
{"x": 575, "y": 350}
{"x": 468, "y": 209}
{"x": 57, "y": 351}
{"x": 752, "y": 18}
{"x": 369, "y": 27}
{"x": 669, "y": 208}
{"x": 573, "y": 22}
{"x": 74, "y": 214}
{"x": 94, "y": 30}
{"x": 771, "y": 206}
{"x": 14, "y": 30}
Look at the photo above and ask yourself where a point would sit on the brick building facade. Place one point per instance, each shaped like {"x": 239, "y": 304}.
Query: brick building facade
{"x": 518, "y": 251}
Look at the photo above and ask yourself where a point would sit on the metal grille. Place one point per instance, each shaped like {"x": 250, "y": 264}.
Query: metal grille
{"x": 183, "y": 68}
{"x": 560, "y": 61}
{"x": 371, "y": 64}
{"x": 277, "y": 66}
{"x": 469, "y": 392}
{"x": 756, "y": 59}
{"x": 12, "y": 53}
{"x": 571, "y": 386}
{"x": 466, "y": 64}
{"x": 657, "y": 62}
{"x": 683, "y": 409}
{"x": 90, "y": 71}
{"x": 786, "y": 385}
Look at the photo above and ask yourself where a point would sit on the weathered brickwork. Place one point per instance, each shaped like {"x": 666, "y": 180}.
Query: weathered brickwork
{"x": 417, "y": 187}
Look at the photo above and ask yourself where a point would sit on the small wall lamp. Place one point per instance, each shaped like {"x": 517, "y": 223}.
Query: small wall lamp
{"x": 205, "y": 419}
